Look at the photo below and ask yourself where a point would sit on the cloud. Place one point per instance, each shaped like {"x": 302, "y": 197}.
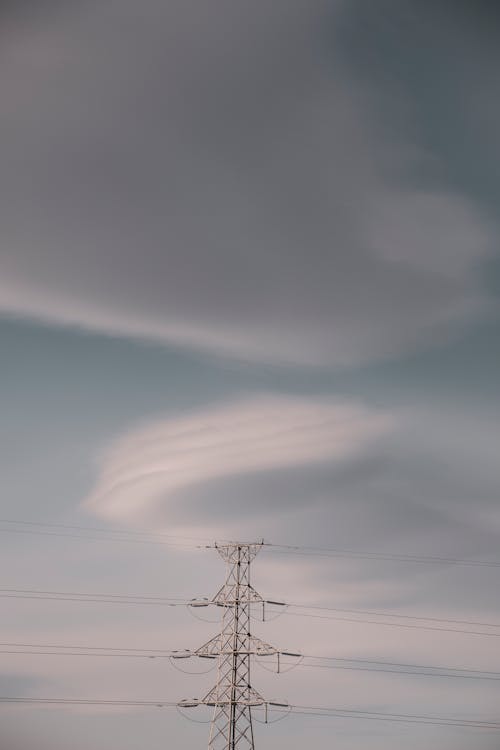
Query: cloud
{"x": 18, "y": 684}
{"x": 226, "y": 186}
{"x": 148, "y": 467}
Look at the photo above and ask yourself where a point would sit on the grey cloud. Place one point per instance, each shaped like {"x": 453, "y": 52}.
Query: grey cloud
{"x": 209, "y": 178}
{"x": 418, "y": 480}
{"x": 17, "y": 684}
{"x": 434, "y": 70}
{"x": 430, "y": 488}
{"x": 382, "y": 500}
{"x": 165, "y": 168}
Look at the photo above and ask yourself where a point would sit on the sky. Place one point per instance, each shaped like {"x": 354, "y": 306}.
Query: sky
{"x": 249, "y": 289}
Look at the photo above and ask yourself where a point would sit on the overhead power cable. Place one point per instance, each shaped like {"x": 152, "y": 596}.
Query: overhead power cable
{"x": 288, "y": 549}
{"x": 140, "y": 599}
{"x": 87, "y": 648}
{"x": 393, "y": 624}
{"x": 318, "y": 711}
{"x": 334, "y": 663}
{"x": 404, "y": 672}
{"x": 85, "y": 653}
{"x": 86, "y": 701}
{"x": 126, "y": 655}
{"x": 171, "y": 540}
{"x": 384, "y": 663}
{"x": 87, "y": 537}
{"x": 395, "y": 717}
{"x": 75, "y": 596}
{"x": 126, "y": 532}
{"x": 375, "y": 613}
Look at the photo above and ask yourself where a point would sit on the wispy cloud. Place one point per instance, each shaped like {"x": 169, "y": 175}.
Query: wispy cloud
{"x": 152, "y": 463}
{"x": 248, "y": 203}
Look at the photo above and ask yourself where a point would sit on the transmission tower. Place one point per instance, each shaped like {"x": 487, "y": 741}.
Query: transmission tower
{"x": 233, "y": 696}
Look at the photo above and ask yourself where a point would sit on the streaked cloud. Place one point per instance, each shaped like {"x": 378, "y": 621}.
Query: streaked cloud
{"x": 301, "y": 181}
{"x": 148, "y": 466}
{"x": 228, "y": 187}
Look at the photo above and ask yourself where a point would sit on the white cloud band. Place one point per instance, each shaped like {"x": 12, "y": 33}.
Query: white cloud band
{"x": 154, "y": 462}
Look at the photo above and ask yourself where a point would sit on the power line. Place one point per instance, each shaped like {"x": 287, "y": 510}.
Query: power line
{"x": 316, "y": 711}
{"x": 232, "y": 698}
{"x": 154, "y": 598}
{"x": 148, "y": 653}
{"x": 152, "y": 537}
{"x": 392, "y": 624}
{"x": 90, "y": 653}
{"x": 62, "y": 648}
{"x": 86, "y": 537}
{"x": 86, "y": 701}
{"x": 96, "y": 601}
{"x": 75, "y": 596}
{"x": 380, "y": 670}
{"x": 132, "y": 532}
{"x": 136, "y": 599}
{"x": 392, "y": 717}
{"x": 357, "y": 711}
{"x": 383, "y": 670}
{"x": 88, "y": 648}
{"x": 390, "y": 614}
{"x": 400, "y": 664}
{"x": 395, "y": 557}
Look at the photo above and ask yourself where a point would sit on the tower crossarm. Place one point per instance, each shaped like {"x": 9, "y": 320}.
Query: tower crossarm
{"x": 256, "y": 647}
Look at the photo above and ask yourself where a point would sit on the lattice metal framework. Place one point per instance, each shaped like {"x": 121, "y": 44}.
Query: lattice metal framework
{"x": 233, "y": 696}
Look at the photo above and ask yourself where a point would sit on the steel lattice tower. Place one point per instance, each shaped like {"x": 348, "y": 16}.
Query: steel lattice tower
{"x": 233, "y": 696}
